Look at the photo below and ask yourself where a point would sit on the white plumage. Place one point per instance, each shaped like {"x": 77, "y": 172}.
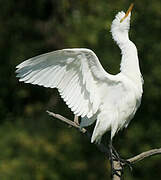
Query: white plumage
{"x": 91, "y": 92}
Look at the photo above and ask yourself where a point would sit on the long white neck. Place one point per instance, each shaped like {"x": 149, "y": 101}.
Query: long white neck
{"x": 129, "y": 62}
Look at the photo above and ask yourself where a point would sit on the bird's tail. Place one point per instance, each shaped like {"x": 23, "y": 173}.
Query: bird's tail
{"x": 103, "y": 125}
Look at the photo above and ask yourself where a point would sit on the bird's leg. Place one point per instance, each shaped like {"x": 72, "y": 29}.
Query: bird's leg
{"x": 116, "y": 154}
{"x": 112, "y": 158}
{"x": 118, "y": 158}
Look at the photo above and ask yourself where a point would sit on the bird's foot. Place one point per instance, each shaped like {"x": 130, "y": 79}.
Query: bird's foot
{"x": 122, "y": 161}
{"x": 127, "y": 163}
{"x": 114, "y": 157}
{"x": 114, "y": 171}
{"x": 117, "y": 172}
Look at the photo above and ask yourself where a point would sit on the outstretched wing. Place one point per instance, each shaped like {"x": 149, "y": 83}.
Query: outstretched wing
{"x": 75, "y": 72}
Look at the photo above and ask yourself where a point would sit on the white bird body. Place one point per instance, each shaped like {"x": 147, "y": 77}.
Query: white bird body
{"x": 91, "y": 92}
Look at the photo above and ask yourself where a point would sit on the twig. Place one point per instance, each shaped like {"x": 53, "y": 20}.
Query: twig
{"x": 104, "y": 149}
{"x": 71, "y": 123}
{"x": 144, "y": 155}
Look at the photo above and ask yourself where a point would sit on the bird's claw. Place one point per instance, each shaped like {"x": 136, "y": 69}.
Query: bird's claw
{"x": 122, "y": 161}
{"x": 125, "y": 162}
{"x": 114, "y": 156}
{"x": 116, "y": 172}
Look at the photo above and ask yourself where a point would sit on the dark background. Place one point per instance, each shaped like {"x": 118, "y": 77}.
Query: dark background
{"x": 33, "y": 146}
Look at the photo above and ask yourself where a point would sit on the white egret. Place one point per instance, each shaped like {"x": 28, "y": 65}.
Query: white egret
{"x": 90, "y": 91}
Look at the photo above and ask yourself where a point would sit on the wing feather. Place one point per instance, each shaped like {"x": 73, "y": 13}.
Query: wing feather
{"x": 42, "y": 77}
{"x": 66, "y": 80}
{"x": 75, "y": 72}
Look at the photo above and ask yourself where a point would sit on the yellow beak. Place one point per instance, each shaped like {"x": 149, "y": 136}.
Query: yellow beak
{"x": 127, "y": 13}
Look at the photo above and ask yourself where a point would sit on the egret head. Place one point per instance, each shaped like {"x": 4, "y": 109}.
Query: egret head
{"x": 121, "y": 24}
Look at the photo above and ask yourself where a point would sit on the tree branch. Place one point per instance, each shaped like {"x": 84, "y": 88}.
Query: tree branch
{"x": 144, "y": 155}
{"x": 104, "y": 149}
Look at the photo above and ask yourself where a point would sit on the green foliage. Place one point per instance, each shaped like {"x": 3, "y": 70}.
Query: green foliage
{"x": 35, "y": 147}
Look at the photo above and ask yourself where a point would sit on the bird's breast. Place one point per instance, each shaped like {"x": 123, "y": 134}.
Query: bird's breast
{"x": 122, "y": 100}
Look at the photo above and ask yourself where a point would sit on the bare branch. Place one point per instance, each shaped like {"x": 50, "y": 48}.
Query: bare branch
{"x": 71, "y": 123}
{"x": 144, "y": 155}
